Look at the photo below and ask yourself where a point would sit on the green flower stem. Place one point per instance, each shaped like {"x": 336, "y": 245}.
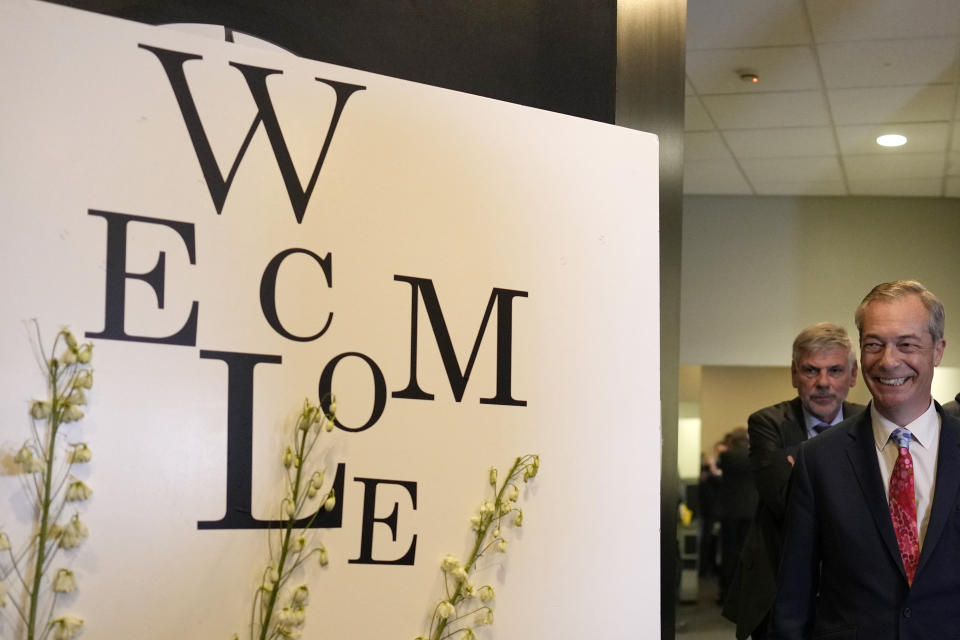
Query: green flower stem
{"x": 45, "y": 499}
{"x": 288, "y": 532}
{"x": 478, "y": 548}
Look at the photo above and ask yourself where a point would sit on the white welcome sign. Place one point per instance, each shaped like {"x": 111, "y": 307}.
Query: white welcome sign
{"x": 237, "y": 230}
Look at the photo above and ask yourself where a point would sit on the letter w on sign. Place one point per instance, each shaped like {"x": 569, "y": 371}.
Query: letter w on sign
{"x": 256, "y": 78}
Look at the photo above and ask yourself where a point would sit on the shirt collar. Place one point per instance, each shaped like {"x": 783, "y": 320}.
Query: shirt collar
{"x": 811, "y": 420}
{"x": 923, "y": 430}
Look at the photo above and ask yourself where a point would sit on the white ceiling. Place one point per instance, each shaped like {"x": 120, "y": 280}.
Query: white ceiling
{"x": 834, "y": 74}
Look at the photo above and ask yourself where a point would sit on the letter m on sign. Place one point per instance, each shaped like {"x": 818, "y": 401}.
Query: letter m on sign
{"x": 256, "y": 78}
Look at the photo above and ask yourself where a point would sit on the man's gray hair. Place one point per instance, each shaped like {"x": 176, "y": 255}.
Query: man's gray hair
{"x": 889, "y": 291}
{"x": 823, "y": 335}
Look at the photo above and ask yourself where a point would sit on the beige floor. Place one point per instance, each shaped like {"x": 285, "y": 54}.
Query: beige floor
{"x": 702, "y": 621}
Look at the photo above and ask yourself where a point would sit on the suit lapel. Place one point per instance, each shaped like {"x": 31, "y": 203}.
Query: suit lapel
{"x": 947, "y": 484}
{"x": 799, "y": 422}
{"x": 862, "y": 453}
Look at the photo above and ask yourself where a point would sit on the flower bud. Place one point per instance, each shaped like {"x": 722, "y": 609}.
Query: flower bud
{"x": 73, "y": 533}
{"x": 40, "y": 410}
{"x": 486, "y": 593}
{"x": 502, "y": 546}
{"x": 331, "y": 501}
{"x": 4, "y": 542}
{"x": 66, "y": 627}
{"x": 493, "y": 476}
{"x": 322, "y": 556}
{"x": 71, "y": 413}
{"x": 449, "y": 563}
{"x": 300, "y": 595}
{"x": 484, "y": 617}
{"x": 84, "y": 380}
{"x": 77, "y": 491}
{"x": 514, "y": 493}
{"x": 518, "y": 521}
{"x": 445, "y": 609}
{"x": 64, "y": 582}
{"x": 287, "y": 457}
{"x": 85, "y": 353}
{"x": 79, "y": 453}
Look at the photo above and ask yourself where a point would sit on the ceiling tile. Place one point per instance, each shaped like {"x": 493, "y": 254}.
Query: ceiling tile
{"x": 792, "y": 169}
{"x": 894, "y": 167}
{"x": 953, "y": 188}
{"x": 921, "y": 137}
{"x": 714, "y": 177}
{"x": 780, "y": 143}
{"x": 779, "y": 69}
{"x": 695, "y": 116}
{"x": 704, "y": 145}
{"x": 892, "y": 104}
{"x": 835, "y": 20}
{"x": 768, "y": 110}
{"x": 888, "y": 62}
{"x": 809, "y": 188}
{"x": 745, "y": 23}
{"x": 897, "y": 187}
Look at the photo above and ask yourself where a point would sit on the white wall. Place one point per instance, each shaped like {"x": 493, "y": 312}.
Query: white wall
{"x": 756, "y": 270}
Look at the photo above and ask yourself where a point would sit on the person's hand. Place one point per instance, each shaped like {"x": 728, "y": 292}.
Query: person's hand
{"x": 790, "y": 460}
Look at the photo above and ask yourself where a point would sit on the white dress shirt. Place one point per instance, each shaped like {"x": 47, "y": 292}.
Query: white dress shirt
{"x": 811, "y": 421}
{"x": 925, "y": 441}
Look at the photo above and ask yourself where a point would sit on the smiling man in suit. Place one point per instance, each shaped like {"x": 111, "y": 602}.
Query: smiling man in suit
{"x": 873, "y": 522}
{"x": 823, "y": 369}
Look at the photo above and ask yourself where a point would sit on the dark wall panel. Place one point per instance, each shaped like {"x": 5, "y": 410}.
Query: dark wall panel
{"x": 558, "y": 55}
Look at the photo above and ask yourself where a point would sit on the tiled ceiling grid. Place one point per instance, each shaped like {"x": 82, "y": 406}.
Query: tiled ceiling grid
{"x": 834, "y": 74}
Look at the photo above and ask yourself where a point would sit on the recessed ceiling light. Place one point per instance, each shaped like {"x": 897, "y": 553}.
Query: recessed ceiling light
{"x": 892, "y": 140}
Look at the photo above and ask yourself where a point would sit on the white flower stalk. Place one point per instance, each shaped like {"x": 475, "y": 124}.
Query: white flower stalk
{"x": 48, "y": 456}
{"x": 66, "y": 627}
{"x": 492, "y": 515}
{"x": 275, "y": 616}
{"x": 64, "y": 581}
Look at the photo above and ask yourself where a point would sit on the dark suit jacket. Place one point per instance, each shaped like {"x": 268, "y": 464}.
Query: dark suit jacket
{"x": 775, "y": 432}
{"x": 841, "y": 576}
{"x": 953, "y": 407}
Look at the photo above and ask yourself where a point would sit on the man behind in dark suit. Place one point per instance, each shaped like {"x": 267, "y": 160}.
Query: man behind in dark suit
{"x": 823, "y": 370}
{"x": 872, "y": 545}
{"x": 953, "y": 407}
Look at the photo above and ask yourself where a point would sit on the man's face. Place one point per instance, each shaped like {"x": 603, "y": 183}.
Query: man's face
{"x": 822, "y": 379}
{"x": 898, "y": 355}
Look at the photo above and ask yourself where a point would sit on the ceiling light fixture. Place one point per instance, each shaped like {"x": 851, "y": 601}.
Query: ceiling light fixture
{"x": 748, "y": 76}
{"x": 892, "y": 140}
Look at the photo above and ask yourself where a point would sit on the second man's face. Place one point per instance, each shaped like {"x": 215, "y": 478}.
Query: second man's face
{"x": 822, "y": 379}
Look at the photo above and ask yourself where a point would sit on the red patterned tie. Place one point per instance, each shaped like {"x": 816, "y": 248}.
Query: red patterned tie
{"x": 903, "y": 504}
